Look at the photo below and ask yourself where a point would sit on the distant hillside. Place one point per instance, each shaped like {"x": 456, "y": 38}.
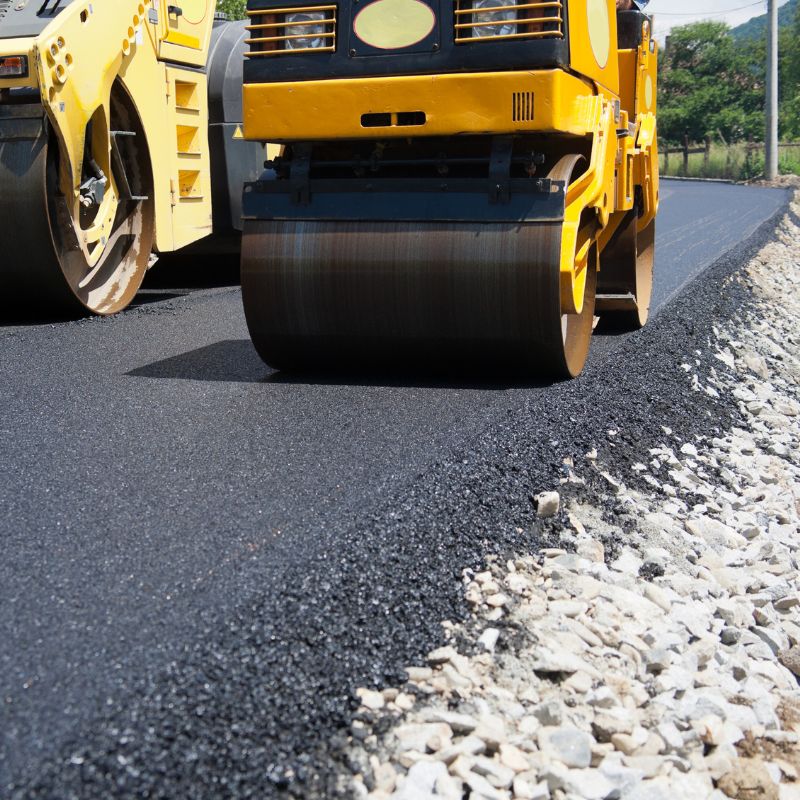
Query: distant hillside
{"x": 757, "y": 27}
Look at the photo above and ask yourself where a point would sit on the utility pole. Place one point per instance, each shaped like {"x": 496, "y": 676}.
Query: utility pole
{"x": 771, "y": 139}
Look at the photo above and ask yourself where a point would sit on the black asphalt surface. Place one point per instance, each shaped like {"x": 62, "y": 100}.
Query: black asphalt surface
{"x": 201, "y": 559}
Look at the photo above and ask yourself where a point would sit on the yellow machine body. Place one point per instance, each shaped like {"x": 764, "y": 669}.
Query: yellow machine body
{"x": 117, "y": 123}
{"x": 86, "y": 48}
{"x": 612, "y": 90}
{"x": 596, "y": 107}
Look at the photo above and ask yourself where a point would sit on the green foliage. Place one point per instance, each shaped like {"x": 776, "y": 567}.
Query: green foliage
{"x": 233, "y": 8}
{"x": 709, "y": 85}
{"x": 789, "y": 72}
{"x": 711, "y": 82}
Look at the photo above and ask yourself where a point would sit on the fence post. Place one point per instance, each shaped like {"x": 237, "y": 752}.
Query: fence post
{"x": 686, "y": 154}
{"x": 666, "y": 160}
{"x": 706, "y": 156}
{"x": 748, "y": 158}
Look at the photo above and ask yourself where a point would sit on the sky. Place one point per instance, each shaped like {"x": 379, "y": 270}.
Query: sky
{"x": 669, "y": 13}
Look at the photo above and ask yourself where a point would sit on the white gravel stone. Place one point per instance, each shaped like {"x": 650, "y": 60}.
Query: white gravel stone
{"x": 588, "y": 784}
{"x": 774, "y": 639}
{"x": 442, "y": 655}
{"x": 371, "y": 699}
{"x": 570, "y": 746}
{"x": 462, "y": 768}
{"x": 547, "y": 504}
{"x": 415, "y": 736}
{"x": 513, "y": 758}
{"x": 550, "y": 713}
{"x": 420, "y": 781}
{"x": 488, "y": 639}
{"x": 457, "y": 723}
{"x": 499, "y": 775}
{"x": 492, "y": 729}
{"x": 466, "y": 746}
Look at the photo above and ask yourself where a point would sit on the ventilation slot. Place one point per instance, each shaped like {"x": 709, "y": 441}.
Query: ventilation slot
{"x": 393, "y": 119}
{"x": 522, "y": 106}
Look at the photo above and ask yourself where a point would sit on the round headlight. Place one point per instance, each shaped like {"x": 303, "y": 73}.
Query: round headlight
{"x": 505, "y": 20}
{"x": 311, "y": 35}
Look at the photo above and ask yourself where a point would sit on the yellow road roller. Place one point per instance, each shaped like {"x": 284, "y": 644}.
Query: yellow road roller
{"x": 451, "y": 181}
{"x": 118, "y": 123}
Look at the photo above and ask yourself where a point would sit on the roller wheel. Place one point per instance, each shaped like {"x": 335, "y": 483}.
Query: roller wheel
{"x": 62, "y": 258}
{"x": 626, "y": 275}
{"x": 576, "y": 329}
{"x": 438, "y": 295}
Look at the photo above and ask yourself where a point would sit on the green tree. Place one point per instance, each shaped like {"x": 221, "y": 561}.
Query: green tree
{"x": 710, "y": 83}
{"x": 789, "y": 79}
{"x": 233, "y": 8}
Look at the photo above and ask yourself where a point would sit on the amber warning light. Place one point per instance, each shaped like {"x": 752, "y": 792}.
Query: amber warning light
{"x": 13, "y": 66}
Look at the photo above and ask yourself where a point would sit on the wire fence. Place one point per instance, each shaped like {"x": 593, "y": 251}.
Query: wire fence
{"x": 741, "y": 161}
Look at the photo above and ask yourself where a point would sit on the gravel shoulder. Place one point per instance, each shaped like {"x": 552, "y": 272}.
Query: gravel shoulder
{"x": 652, "y": 649}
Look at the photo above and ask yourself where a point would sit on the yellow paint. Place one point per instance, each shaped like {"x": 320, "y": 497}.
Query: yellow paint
{"x": 75, "y": 61}
{"x": 599, "y": 32}
{"x": 194, "y": 11}
{"x": 394, "y": 24}
{"x": 583, "y": 41}
{"x": 461, "y": 103}
{"x": 648, "y": 92}
{"x": 593, "y": 190}
{"x": 182, "y": 39}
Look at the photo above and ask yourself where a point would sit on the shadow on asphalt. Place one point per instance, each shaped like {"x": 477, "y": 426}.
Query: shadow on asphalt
{"x": 181, "y": 273}
{"x": 173, "y": 276}
{"x": 236, "y": 361}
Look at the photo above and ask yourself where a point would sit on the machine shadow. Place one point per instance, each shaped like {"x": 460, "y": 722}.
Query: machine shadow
{"x": 183, "y": 272}
{"x": 236, "y": 361}
{"x": 174, "y": 275}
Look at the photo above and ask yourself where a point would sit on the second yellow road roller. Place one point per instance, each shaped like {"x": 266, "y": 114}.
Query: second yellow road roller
{"x": 118, "y": 142}
{"x": 450, "y": 181}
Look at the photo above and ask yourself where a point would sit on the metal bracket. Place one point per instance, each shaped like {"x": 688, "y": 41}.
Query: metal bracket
{"x": 500, "y": 169}
{"x": 93, "y": 191}
{"x": 46, "y": 10}
{"x": 299, "y": 169}
{"x": 119, "y": 167}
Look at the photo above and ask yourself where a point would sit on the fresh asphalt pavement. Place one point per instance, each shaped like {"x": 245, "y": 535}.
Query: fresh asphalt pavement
{"x": 157, "y": 478}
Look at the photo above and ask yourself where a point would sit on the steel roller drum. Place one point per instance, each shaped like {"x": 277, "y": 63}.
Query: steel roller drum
{"x": 321, "y": 294}
{"x": 43, "y": 272}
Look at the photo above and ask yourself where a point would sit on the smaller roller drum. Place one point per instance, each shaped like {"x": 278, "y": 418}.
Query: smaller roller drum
{"x": 65, "y": 256}
{"x": 322, "y": 294}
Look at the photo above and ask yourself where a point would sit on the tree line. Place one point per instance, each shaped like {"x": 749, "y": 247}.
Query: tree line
{"x": 713, "y": 84}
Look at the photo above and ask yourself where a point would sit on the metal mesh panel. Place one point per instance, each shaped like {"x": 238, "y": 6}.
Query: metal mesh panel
{"x": 271, "y": 37}
{"x": 511, "y": 20}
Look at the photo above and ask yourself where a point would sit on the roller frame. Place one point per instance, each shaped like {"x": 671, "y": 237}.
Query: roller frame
{"x": 378, "y": 281}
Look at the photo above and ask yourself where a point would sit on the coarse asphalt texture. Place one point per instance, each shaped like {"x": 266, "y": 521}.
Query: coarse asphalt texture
{"x": 202, "y": 559}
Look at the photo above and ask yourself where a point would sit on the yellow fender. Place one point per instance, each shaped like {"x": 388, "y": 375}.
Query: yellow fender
{"x": 75, "y": 89}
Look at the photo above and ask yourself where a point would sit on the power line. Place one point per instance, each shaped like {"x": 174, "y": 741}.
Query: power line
{"x": 704, "y": 14}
